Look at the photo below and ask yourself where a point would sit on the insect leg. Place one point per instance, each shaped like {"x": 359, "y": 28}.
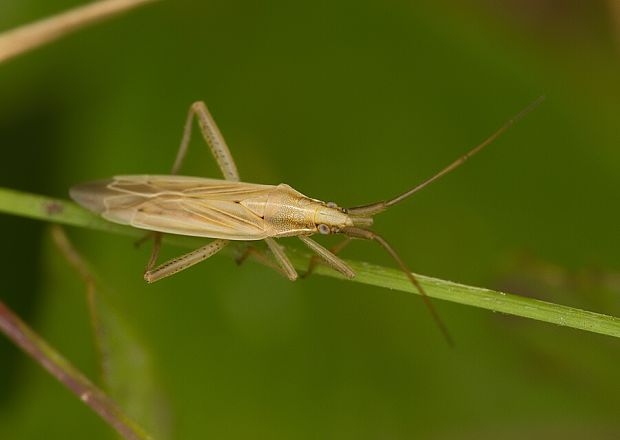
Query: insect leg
{"x": 315, "y": 259}
{"x": 261, "y": 257}
{"x": 212, "y": 136}
{"x": 184, "y": 261}
{"x": 155, "y": 251}
{"x": 156, "y": 237}
{"x": 146, "y": 237}
{"x": 216, "y": 142}
{"x": 328, "y": 257}
{"x": 282, "y": 259}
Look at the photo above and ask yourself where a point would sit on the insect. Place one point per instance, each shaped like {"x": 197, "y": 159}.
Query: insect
{"x": 228, "y": 210}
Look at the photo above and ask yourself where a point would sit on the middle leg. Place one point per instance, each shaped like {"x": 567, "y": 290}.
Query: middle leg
{"x": 263, "y": 258}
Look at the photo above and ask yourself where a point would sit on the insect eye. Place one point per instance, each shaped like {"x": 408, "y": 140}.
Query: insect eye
{"x": 323, "y": 229}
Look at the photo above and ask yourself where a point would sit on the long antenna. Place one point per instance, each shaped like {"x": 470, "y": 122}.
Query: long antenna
{"x": 371, "y": 235}
{"x": 375, "y": 208}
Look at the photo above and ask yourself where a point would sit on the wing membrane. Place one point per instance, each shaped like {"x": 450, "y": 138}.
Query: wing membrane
{"x": 178, "y": 205}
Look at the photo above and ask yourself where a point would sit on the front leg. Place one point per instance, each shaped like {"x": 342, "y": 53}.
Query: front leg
{"x": 328, "y": 257}
{"x": 282, "y": 259}
{"x": 315, "y": 259}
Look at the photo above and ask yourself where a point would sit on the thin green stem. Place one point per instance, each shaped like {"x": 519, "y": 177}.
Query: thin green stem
{"x": 68, "y": 213}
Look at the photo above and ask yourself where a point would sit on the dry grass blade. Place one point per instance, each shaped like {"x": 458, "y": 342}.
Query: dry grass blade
{"x": 30, "y": 36}
{"x": 31, "y": 343}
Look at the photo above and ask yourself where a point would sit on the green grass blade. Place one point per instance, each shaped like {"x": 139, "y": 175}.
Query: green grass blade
{"x": 68, "y": 213}
{"x": 126, "y": 366}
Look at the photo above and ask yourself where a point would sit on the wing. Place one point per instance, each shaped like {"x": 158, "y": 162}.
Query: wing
{"x": 180, "y": 205}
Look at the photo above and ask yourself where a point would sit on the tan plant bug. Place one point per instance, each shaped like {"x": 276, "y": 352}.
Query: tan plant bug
{"x": 228, "y": 209}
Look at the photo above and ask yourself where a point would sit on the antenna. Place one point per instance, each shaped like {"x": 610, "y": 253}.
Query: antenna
{"x": 377, "y": 207}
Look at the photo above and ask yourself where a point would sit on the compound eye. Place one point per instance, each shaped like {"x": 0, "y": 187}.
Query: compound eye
{"x": 323, "y": 229}
{"x": 331, "y": 205}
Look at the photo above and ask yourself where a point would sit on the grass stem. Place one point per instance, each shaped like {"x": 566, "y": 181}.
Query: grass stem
{"x": 68, "y": 213}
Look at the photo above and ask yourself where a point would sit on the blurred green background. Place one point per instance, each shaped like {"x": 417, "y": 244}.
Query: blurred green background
{"x": 350, "y": 101}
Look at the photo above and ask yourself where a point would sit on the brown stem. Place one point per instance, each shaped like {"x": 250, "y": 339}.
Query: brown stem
{"x": 30, "y": 36}
{"x": 32, "y": 344}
